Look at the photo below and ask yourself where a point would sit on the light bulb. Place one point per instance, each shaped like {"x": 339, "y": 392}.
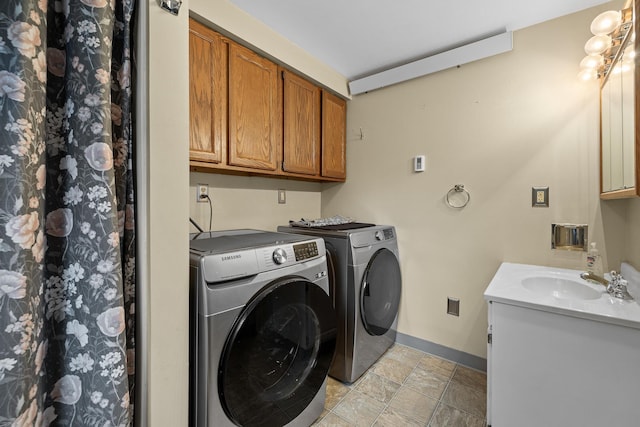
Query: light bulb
{"x": 597, "y": 44}
{"x": 629, "y": 53}
{"x": 587, "y": 74}
{"x": 606, "y": 22}
{"x": 592, "y": 61}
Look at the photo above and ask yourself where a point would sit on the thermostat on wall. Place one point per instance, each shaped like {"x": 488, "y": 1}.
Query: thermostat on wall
{"x": 418, "y": 164}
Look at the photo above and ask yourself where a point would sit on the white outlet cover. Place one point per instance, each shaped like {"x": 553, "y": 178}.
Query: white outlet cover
{"x": 201, "y": 189}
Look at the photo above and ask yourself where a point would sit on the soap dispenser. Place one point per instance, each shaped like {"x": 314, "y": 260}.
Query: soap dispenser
{"x": 594, "y": 261}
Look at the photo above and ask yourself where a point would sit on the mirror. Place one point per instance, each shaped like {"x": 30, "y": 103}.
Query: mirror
{"x": 619, "y": 144}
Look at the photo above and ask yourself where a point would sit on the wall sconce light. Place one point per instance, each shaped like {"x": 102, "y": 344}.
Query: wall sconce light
{"x": 609, "y": 29}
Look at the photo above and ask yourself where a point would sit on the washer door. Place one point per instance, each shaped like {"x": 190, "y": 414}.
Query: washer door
{"x": 380, "y": 292}
{"x": 277, "y": 355}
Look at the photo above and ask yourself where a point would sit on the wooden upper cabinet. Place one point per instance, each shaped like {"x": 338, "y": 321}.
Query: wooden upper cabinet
{"x": 208, "y": 57}
{"x": 254, "y": 110}
{"x": 301, "y": 125}
{"x": 247, "y": 115}
{"x": 334, "y": 127}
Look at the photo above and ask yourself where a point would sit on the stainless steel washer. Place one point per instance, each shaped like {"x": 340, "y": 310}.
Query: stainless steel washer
{"x": 366, "y": 284}
{"x": 263, "y": 329}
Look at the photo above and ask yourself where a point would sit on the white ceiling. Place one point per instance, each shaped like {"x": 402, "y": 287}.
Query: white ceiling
{"x": 361, "y": 37}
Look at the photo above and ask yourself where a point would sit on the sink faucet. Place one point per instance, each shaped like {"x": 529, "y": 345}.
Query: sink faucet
{"x": 592, "y": 277}
{"x": 617, "y": 287}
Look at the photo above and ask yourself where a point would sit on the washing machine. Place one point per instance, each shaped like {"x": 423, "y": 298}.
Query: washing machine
{"x": 366, "y": 284}
{"x": 262, "y": 329}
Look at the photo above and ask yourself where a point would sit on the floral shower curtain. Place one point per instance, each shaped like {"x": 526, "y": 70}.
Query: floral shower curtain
{"x": 67, "y": 238}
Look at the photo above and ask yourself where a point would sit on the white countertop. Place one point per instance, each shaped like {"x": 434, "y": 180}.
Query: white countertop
{"x": 505, "y": 287}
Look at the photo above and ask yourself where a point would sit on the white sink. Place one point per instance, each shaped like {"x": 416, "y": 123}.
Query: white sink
{"x": 561, "y": 291}
{"x": 559, "y": 287}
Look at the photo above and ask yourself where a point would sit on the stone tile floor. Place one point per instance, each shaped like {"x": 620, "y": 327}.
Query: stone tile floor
{"x": 407, "y": 387}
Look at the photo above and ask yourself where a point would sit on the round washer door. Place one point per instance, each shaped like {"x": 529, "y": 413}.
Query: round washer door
{"x": 277, "y": 355}
{"x": 380, "y": 292}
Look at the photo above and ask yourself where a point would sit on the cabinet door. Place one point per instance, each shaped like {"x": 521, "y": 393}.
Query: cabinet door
{"x": 301, "y": 128}
{"x": 208, "y": 58}
{"x": 254, "y": 115}
{"x": 334, "y": 118}
{"x": 546, "y": 370}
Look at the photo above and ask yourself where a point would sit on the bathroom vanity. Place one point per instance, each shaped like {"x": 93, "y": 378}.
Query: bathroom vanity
{"x": 561, "y": 352}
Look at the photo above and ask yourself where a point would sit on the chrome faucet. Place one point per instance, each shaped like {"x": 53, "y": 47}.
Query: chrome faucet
{"x": 617, "y": 287}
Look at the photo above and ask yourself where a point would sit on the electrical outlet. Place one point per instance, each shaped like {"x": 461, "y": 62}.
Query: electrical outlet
{"x": 540, "y": 197}
{"x": 202, "y": 192}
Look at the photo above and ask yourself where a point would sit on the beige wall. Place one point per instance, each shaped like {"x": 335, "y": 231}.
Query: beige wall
{"x": 252, "y": 202}
{"x": 499, "y": 126}
{"x": 166, "y": 227}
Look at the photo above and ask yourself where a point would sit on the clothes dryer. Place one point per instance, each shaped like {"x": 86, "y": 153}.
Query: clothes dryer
{"x": 366, "y": 284}
{"x": 262, "y": 327}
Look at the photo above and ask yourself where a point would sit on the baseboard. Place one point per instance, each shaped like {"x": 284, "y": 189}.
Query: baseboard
{"x": 457, "y": 356}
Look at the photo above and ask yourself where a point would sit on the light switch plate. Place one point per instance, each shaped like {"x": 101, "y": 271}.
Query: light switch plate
{"x": 540, "y": 197}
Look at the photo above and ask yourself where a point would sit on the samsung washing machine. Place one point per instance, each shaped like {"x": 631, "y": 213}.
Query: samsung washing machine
{"x": 263, "y": 329}
{"x": 366, "y": 284}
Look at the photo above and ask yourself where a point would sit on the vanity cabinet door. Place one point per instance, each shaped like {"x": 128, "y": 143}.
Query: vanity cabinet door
{"x": 254, "y": 113}
{"x": 550, "y": 369}
{"x": 207, "y": 94}
{"x": 334, "y": 124}
{"x": 301, "y": 130}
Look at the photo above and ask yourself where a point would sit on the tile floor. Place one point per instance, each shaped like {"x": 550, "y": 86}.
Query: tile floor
{"x": 407, "y": 387}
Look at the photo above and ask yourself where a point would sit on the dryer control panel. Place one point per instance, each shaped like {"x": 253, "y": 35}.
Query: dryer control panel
{"x": 385, "y": 234}
{"x": 378, "y": 235}
{"x": 305, "y": 250}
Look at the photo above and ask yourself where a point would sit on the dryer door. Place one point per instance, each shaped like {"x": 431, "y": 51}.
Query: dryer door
{"x": 380, "y": 292}
{"x": 277, "y": 354}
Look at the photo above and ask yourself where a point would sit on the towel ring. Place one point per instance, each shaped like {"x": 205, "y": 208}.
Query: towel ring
{"x": 458, "y": 202}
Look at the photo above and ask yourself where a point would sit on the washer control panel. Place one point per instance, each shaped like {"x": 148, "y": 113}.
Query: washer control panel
{"x": 244, "y": 253}
{"x": 305, "y": 250}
